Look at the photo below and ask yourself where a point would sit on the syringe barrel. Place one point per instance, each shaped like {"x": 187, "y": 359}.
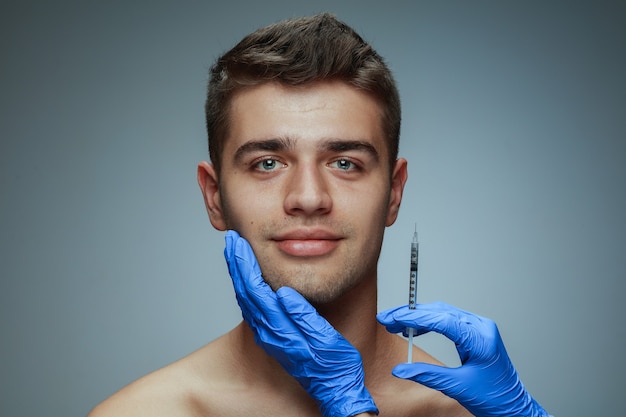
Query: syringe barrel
{"x": 413, "y": 275}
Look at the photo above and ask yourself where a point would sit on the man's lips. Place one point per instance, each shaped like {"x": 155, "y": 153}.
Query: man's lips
{"x": 307, "y": 243}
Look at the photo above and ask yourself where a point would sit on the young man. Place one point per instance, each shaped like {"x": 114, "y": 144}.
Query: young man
{"x": 303, "y": 120}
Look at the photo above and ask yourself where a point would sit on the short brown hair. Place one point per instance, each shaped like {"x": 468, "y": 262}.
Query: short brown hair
{"x": 295, "y": 52}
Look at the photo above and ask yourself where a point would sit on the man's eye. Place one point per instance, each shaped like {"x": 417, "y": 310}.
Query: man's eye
{"x": 268, "y": 165}
{"x": 344, "y": 164}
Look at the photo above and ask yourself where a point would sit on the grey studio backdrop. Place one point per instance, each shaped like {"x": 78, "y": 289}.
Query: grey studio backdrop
{"x": 513, "y": 124}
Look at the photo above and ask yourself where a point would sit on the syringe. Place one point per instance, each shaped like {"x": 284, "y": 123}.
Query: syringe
{"x": 413, "y": 289}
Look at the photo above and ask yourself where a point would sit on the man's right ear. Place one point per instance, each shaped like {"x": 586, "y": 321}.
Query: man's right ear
{"x": 209, "y": 185}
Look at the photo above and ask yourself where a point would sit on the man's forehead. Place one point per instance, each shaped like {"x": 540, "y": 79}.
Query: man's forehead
{"x": 321, "y": 111}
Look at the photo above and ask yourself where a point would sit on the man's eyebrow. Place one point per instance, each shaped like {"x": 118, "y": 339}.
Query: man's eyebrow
{"x": 272, "y": 145}
{"x": 281, "y": 144}
{"x": 342, "y": 145}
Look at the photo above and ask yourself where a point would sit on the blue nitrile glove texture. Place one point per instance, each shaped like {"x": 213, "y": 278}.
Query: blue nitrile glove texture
{"x": 289, "y": 329}
{"x": 486, "y": 383}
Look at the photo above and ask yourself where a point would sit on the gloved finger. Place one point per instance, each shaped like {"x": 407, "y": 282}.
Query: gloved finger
{"x": 472, "y": 334}
{"x": 449, "y": 381}
{"x": 303, "y": 314}
{"x": 247, "y": 277}
{"x": 438, "y": 317}
{"x": 237, "y": 275}
{"x": 395, "y": 321}
{"x": 231, "y": 239}
{"x": 233, "y": 270}
{"x": 256, "y": 299}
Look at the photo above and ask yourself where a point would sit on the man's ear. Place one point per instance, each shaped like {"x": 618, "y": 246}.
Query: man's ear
{"x": 398, "y": 179}
{"x": 209, "y": 185}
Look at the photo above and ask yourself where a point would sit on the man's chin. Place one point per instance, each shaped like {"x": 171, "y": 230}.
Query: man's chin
{"x": 316, "y": 294}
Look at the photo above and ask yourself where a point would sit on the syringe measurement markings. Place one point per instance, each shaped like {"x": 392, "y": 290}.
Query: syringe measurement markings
{"x": 413, "y": 277}
{"x": 413, "y": 289}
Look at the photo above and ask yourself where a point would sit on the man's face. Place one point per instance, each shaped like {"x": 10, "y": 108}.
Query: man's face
{"x": 305, "y": 179}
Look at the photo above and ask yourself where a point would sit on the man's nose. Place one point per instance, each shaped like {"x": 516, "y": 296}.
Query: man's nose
{"x": 307, "y": 192}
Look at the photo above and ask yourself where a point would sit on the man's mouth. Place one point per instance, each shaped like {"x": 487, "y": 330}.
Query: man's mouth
{"x": 307, "y": 242}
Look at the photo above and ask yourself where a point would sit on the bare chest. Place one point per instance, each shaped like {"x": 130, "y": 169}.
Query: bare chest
{"x": 422, "y": 402}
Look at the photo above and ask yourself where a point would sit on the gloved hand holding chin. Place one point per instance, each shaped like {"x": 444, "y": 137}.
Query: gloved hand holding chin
{"x": 289, "y": 329}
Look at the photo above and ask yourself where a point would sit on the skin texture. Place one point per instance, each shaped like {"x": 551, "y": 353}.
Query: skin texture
{"x": 305, "y": 230}
{"x": 305, "y": 179}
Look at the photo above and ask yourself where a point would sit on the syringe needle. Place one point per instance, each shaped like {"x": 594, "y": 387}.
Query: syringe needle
{"x": 410, "y": 355}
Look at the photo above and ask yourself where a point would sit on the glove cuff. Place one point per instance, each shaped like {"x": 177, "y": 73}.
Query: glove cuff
{"x": 349, "y": 409}
{"x": 537, "y": 410}
{"x": 350, "y": 404}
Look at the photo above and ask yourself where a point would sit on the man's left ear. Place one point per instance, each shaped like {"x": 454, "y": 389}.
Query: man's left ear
{"x": 398, "y": 179}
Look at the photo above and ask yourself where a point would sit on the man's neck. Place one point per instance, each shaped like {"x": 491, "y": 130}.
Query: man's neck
{"x": 352, "y": 315}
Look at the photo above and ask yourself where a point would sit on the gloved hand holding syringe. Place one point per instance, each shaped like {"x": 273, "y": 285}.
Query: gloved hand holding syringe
{"x": 486, "y": 383}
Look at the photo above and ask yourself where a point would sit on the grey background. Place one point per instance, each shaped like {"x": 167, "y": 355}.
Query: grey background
{"x": 514, "y": 128}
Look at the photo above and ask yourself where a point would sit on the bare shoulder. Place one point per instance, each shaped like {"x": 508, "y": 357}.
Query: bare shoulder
{"x": 154, "y": 394}
{"x": 182, "y": 388}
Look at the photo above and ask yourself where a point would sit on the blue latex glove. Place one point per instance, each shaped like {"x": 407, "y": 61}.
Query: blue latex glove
{"x": 289, "y": 329}
{"x": 486, "y": 383}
